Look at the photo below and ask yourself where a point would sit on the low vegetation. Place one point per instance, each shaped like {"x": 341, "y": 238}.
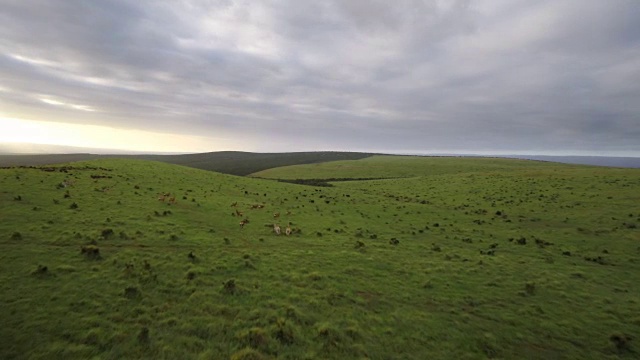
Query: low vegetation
{"x": 443, "y": 258}
{"x": 226, "y": 162}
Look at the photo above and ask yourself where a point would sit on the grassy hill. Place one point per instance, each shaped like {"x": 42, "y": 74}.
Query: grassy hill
{"x": 226, "y": 162}
{"x": 395, "y": 166}
{"x": 454, "y": 258}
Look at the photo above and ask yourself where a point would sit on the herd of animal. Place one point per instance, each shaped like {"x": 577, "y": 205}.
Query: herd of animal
{"x": 171, "y": 199}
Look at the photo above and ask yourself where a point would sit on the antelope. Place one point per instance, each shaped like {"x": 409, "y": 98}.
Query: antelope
{"x": 234, "y": 204}
{"x": 288, "y": 212}
{"x": 243, "y": 222}
{"x": 287, "y": 231}
{"x": 276, "y": 215}
{"x": 239, "y": 213}
{"x": 276, "y": 229}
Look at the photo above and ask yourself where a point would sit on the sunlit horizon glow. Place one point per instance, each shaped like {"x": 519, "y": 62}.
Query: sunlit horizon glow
{"x": 22, "y": 131}
{"x": 14, "y": 130}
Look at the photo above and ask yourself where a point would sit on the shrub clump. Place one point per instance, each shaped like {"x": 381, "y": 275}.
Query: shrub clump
{"x": 230, "y": 287}
{"x": 329, "y": 336}
{"x": 90, "y": 252}
{"x": 132, "y": 292}
{"x": 107, "y": 233}
{"x": 191, "y": 275}
{"x": 284, "y": 332}
{"x": 255, "y": 337}
{"x": 41, "y": 271}
{"x": 530, "y": 289}
{"x": 621, "y": 341}
{"x": 247, "y": 354}
{"x": 143, "y": 335}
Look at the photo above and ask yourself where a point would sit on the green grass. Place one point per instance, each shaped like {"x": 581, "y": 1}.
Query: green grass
{"x": 227, "y": 162}
{"x": 389, "y": 166}
{"x": 185, "y": 281}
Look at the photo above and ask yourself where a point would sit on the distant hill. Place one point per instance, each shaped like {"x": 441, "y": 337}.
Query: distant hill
{"x": 227, "y": 162}
{"x": 245, "y": 163}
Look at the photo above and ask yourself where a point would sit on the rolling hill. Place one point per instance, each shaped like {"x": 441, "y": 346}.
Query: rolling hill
{"x": 227, "y": 162}
{"x": 444, "y": 258}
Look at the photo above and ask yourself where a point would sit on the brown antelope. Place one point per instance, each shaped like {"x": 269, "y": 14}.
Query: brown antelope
{"x": 243, "y": 222}
{"x": 239, "y": 213}
{"x": 288, "y": 212}
{"x": 276, "y": 215}
{"x": 234, "y": 204}
{"x": 287, "y": 231}
{"x": 276, "y": 229}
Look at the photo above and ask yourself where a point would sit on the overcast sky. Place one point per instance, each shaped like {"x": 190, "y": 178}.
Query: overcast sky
{"x": 502, "y": 76}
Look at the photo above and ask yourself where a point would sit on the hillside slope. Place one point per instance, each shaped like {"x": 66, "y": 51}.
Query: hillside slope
{"x": 387, "y": 166}
{"x": 508, "y": 261}
{"x": 227, "y": 162}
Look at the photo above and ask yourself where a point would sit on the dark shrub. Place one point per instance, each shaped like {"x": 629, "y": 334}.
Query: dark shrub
{"x": 107, "y": 233}
{"x": 143, "y": 335}
{"x": 90, "y": 252}
{"x": 191, "y": 275}
{"x": 229, "y": 286}
{"x": 132, "y": 292}
{"x": 621, "y": 341}
{"x": 41, "y": 271}
{"x": 530, "y": 288}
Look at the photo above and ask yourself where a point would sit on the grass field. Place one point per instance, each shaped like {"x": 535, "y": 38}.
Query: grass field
{"x": 227, "y": 162}
{"x": 450, "y": 258}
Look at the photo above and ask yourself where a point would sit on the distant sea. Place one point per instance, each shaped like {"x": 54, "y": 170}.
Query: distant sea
{"x": 624, "y": 162}
{"x": 610, "y": 161}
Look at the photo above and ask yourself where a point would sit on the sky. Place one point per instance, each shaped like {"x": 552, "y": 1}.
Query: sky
{"x": 405, "y": 76}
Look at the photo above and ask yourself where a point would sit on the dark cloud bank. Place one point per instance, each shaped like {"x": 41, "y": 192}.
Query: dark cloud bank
{"x": 550, "y": 76}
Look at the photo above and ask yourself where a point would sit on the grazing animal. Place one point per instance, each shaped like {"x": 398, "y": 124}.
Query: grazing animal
{"x": 243, "y": 222}
{"x": 234, "y": 204}
{"x": 288, "y": 212}
{"x": 287, "y": 231}
{"x": 276, "y": 215}
{"x": 276, "y": 229}
{"x": 239, "y": 213}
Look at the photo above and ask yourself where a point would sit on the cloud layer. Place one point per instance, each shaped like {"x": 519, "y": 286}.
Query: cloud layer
{"x": 433, "y": 75}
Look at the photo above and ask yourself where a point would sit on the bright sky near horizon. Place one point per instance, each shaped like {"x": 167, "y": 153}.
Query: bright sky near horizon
{"x": 457, "y": 76}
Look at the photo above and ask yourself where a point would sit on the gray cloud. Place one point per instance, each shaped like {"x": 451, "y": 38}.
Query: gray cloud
{"x": 487, "y": 75}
